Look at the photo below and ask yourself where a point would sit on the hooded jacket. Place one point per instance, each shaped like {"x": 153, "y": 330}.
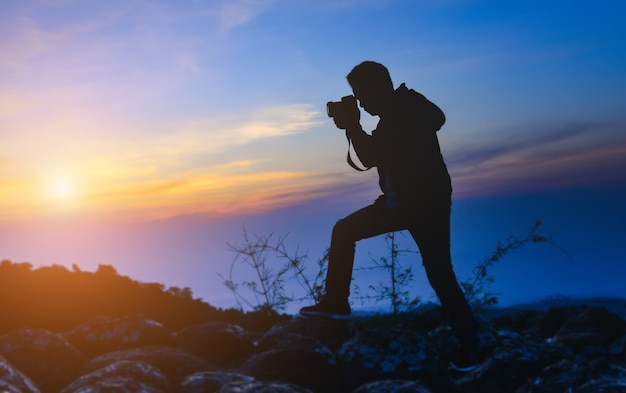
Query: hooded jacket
{"x": 405, "y": 150}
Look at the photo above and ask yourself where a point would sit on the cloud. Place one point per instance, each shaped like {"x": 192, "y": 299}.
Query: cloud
{"x": 236, "y": 13}
{"x": 159, "y": 173}
{"x": 12, "y": 104}
{"x": 207, "y": 193}
{"x": 219, "y": 134}
{"x": 117, "y": 49}
{"x": 20, "y": 40}
{"x": 536, "y": 158}
{"x": 492, "y": 145}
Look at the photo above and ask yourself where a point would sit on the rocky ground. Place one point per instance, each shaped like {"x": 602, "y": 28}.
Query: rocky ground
{"x": 574, "y": 349}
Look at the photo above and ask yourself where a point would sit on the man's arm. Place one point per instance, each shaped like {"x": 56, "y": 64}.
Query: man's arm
{"x": 363, "y": 145}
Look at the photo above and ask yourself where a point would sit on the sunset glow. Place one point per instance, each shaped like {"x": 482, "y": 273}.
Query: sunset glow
{"x": 146, "y": 133}
{"x": 143, "y": 141}
{"x": 62, "y": 188}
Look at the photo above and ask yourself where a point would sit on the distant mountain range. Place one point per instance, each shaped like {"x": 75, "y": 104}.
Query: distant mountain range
{"x": 614, "y": 304}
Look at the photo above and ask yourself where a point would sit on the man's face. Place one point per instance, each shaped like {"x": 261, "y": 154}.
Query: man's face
{"x": 371, "y": 99}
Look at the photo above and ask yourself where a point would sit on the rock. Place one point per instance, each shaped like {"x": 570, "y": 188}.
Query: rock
{"x": 210, "y": 381}
{"x": 443, "y": 342}
{"x": 305, "y": 363}
{"x": 114, "y": 385}
{"x": 378, "y": 354}
{"x": 219, "y": 342}
{"x": 569, "y": 349}
{"x": 617, "y": 350}
{"x": 48, "y": 359}
{"x": 596, "y": 320}
{"x": 508, "y": 337}
{"x": 175, "y": 363}
{"x": 105, "y": 334}
{"x": 592, "y": 331}
{"x": 392, "y": 386}
{"x": 558, "y": 377}
{"x": 553, "y": 319}
{"x": 446, "y": 345}
{"x": 602, "y": 386}
{"x": 121, "y": 376}
{"x": 329, "y": 332}
{"x": 580, "y": 376}
{"x": 587, "y": 343}
{"x": 520, "y": 321}
{"x": 512, "y": 366}
{"x": 6, "y": 387}
{"x": 262, "y": 387}
{"x": 12, "y": 379}
{"x": 426, "y": 318}
{"x": 489, "y": 338}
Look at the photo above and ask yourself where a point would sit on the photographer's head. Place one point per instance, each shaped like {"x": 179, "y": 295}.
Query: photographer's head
{"x": 372, "y": 86}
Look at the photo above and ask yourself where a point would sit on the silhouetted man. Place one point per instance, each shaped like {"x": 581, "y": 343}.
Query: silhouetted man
{"x": 416, "y": 192}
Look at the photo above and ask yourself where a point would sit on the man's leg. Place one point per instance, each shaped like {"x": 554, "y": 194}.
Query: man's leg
{"x": 372, "y": 220}
{"x": 432, "y": 235}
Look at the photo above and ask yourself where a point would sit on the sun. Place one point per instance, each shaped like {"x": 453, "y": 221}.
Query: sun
{"x": 62, "y": 187}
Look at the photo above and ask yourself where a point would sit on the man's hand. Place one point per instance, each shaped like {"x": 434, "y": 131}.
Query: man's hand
{"x": 351, "y": 117}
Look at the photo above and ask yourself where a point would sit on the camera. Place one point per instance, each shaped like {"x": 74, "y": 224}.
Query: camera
{"x": 341, "y": 108}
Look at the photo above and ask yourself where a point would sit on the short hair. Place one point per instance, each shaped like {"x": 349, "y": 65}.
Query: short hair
{"x": 372, "y": 73}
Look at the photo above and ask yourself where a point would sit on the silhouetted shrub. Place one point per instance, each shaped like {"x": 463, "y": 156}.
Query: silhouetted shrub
{"x": 58, "y": 299}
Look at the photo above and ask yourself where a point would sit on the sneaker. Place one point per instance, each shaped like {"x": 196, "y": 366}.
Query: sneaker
{"x": 463, "y": 368}
{"x": 466, "y": 362}
{"x": 329, "y": 310}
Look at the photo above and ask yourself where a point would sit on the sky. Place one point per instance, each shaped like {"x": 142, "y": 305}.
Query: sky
{"x": 147, "y": 135}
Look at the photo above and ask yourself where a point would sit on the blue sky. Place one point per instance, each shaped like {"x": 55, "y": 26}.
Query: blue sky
{"x": 146, "y": 134}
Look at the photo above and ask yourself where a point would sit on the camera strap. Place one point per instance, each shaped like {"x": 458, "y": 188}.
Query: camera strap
{"x": 351, "y": 161}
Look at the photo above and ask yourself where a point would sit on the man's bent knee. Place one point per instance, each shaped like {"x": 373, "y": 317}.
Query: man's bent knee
{"x": 341, "y": 228}
{"x": 344, "y": 231}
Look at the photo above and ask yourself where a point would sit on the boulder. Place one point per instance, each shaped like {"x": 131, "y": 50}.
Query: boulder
{"x": 553, "y": 319}
{"x": 122, "y": 376}
{"x": 489, "y": 338}
{"x": 220, "y": 343}
{"x": 262, "y": 387}
{"x": 443, "y": 342}
{"x": 306, "y": 363}
{"x": 48, "y": 359}
{"x": 329, "y": 332}
{"x": 114, "y": 385}
{"x": 175, "y": 363}
{"x": 596, "y": 320}
{"x": 426, "y": 318}
{"x": 583, "y": 342}
{"x": 392, "y": 386}
{"x": 446, "y": 345}
{"x": 612, "y": 385}
{"x": 103, "y": 334}
{"x": 592, "y": 331}
{"x": 568, "y": 349}
{"x": 524, "y": 321}
{"x": 11, "y": 379}
{"x": 558, "y": 377}
{"x": 387, "y": 353}
{"x": 6, "y": 387}
{"x": 512, "y": 366}
{"x": 617, "y": 350}
{"x": 210, "y": 381}
{"x": 581, "y": 376}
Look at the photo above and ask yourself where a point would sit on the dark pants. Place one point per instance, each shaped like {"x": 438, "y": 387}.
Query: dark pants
{"x": 431, "y": 231}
